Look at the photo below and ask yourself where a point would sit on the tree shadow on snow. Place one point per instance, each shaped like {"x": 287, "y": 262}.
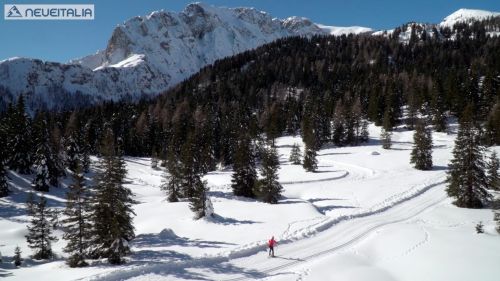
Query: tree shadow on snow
{"x": 156, "y": 240}
{"x": 230, "y": 221}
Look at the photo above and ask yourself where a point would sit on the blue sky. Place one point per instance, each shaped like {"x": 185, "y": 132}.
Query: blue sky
{"x": 64, "y": 40}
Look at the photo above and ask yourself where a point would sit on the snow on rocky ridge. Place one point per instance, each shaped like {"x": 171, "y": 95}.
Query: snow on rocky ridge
{"x": 146, "y": 55}
{"x": 467, "y": 15}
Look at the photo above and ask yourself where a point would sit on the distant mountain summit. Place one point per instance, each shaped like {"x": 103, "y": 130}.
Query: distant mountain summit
{"x": 466, "y": 16}
{"x": 146, "y": 55}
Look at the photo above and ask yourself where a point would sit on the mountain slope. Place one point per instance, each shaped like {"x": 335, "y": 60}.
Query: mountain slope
{"x": 148, "y": 54}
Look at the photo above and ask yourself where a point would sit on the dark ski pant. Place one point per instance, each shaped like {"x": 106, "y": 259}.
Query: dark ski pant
{"x": 271, "y": 251}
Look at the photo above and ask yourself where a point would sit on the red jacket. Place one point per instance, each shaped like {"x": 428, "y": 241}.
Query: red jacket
{"x": 272, "y": 243}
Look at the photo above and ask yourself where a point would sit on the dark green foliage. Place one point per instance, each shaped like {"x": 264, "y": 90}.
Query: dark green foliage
{"x": 112, "y": 209}
{"x": 496, "y": 213}
{"x": 39, "y": 235}
{"x": 172, "y": 184}
{"x": 480, "y": 228}
{"x": 199, "y": 202}
{"x": 295, "y": 155}
{"x": 46, "y": 166}
{"x": 310, "y": 162}
{"x": 118, "y": 249}
{"x": 19, "y": 138}
{"x": 269, "y": 189}
{"x": 493, "y": 177}
{"x": 77, "y": 225}
{"x": 365, "y": 135}
{"x": 41, "y": 179}
{"x": 311, "y": 145}
{"x": 421, "y": 155}
{"x": 244, "y": 176}
{"x": 493, "y": 125}
{"x": 4, "y": 186}
{"x": 18, "y": 260}
{"x": 467, "y": 180}
{"x": 386, "y": 138}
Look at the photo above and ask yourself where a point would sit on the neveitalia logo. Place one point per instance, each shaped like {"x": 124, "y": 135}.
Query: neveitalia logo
{"x": 49, "y": 12}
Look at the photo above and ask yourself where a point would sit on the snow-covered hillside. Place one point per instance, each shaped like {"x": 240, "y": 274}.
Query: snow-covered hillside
{"x": 430, "y": 30}
{"x": 467, "y": 16}
{"x": 362, "y": 216}
{"x": 148, "y": 54}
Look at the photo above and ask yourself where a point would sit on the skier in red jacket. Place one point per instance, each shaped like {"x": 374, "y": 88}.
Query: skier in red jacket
{"x": 271, "y": 243}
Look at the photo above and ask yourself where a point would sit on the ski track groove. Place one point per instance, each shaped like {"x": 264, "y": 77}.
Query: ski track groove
{"x": 352, "y": 241}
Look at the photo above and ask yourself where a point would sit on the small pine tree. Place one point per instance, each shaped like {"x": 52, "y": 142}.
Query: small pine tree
{"x": 496, "y": 213}
{"x": 244, "y": 177}
{"x": 493, "y": 176}
{"x": 199, "y": 199}
{"x": 4, "y": 186}
{"x": 386, "y": 139}
{"x": 421, "y": 154}
{"x": 480, "y": 228}
{"x": 467, "y": 181}
{"x": 172, "y": 182}
{"x": 77, "y": 225}
{"x": 41, "y": 179}
{"x": 365, "y": 135}
{"x": 269, "y": 189}
{"x": 295, "y": 155}
{"x": 18, "y": 260}
{"x": 310, "y": 163}
{"x": 39, "y": 235}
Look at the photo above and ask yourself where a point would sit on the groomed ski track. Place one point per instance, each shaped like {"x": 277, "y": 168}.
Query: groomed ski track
{"x": 331, "y": 235}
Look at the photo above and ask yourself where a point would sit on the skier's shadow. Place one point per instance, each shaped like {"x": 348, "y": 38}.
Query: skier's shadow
{"x": 288, "y": 259}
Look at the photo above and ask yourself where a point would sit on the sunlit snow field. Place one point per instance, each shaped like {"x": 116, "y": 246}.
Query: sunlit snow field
{"x": 366, "y": 214}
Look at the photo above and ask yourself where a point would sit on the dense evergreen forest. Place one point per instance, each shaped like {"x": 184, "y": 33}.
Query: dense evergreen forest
{"x": 325, "y": 88}
{"x": 328, "y": 84}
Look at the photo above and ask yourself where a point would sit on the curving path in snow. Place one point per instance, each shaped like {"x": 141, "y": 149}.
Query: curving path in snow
{"x": 316, "y": 240}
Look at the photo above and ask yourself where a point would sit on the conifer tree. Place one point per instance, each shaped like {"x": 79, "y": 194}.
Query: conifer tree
{"x": 386, "y": 139}
{"x": 496, "y": 213}
{"x": 421, "y": 155}
{"x": 112, "y": 209}
{"x": 77, "y": 222}
{"x": 386, "y": 133}
{"x": 44, "y": 166}
{"x": 244, "y": 176}
{"x": 493, "y": 177}
{"x": 18, "y": 260}
{"x": 310, "y": 162}
{"x": 41, "y": 179}
{"x": 269, "y": 189}
{"x": 295, "y": 155}
{"x": 308, "y": 137}
{"x": 365, "y": 135}
{"x": 39, "y": 235}
{"x": 19, "y": 132}
{"x": 4, "y": 187}
{"x": 199, "y": 202}
{"x": 467, "y": 181}
{"x": 172, "y": 183}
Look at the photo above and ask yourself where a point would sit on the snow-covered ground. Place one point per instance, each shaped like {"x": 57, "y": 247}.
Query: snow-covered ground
{"x": 362, "y": 216}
